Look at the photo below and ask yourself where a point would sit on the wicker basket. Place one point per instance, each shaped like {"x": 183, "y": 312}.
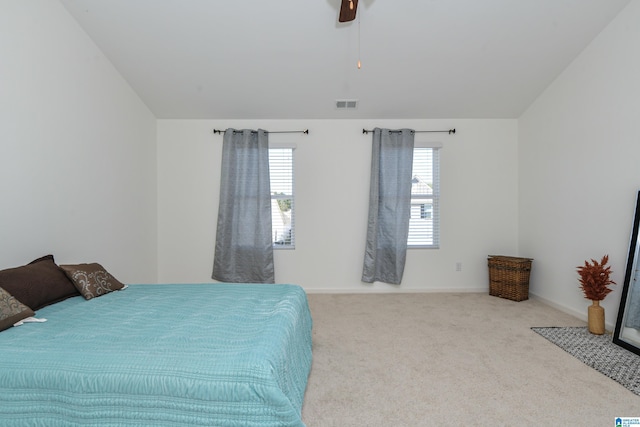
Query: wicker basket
{"x": 509, "y": 277}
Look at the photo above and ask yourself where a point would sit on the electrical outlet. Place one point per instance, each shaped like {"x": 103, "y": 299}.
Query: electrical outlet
{"x": 458, "y": 266}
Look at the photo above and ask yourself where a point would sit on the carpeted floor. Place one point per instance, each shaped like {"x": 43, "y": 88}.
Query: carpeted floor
{"x": 438, "y": 359}
{"x": 598, "y": 352}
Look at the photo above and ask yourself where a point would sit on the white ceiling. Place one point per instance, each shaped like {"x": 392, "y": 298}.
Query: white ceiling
{"x": 291, "y": 59}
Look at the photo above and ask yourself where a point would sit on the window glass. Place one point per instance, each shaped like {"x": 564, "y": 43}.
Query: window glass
{"x": 282, "y": 201}
{"x": 424, "y": 223}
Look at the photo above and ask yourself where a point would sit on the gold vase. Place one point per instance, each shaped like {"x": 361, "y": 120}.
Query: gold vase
{"x": 595, "y": 316}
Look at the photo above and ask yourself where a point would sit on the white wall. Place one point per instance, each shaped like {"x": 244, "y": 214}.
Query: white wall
{"x": 579, "y": 161}
{"x": 77, "y": 149}
{"x": 479, "y": 202}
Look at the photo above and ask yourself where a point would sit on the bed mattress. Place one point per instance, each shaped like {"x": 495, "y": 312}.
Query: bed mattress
{"x": 161, "y": 355}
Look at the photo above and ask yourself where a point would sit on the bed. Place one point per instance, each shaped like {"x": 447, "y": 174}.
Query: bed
{"x": 161, "y": 355}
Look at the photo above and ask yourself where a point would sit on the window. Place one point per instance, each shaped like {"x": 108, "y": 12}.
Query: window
{"x": 424, "y": 223}
{"x": 282, "y": 202}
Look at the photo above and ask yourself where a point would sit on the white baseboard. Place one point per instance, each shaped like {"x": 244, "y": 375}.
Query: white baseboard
{"x": 392, "y": 290}
{"x": 563, "y": 308}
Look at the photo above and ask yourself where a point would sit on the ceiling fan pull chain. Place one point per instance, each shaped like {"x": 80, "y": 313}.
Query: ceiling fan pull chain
{"x": 359, "y": 64}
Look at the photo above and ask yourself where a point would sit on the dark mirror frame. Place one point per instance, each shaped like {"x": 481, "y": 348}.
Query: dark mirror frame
{"x": 632, "y": 266}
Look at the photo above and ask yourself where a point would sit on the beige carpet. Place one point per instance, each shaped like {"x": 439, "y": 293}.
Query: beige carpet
{"x": 438, "y": 359}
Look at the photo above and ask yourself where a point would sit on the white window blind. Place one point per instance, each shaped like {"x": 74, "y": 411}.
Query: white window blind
{"x": 424, "y": 223}
{"x": 282, "y": 200}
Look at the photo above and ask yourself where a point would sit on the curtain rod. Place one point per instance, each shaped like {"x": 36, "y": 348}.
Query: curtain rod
{"x": 306, "y": 131}
{"x": 450, "y": 131}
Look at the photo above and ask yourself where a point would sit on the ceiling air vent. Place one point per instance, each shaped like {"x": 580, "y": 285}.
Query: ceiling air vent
{"x": 346, "y": 104}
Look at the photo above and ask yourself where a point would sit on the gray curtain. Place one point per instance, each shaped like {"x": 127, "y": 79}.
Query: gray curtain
{"x": 389, "y": 206}
{"x": 244, "y": 251}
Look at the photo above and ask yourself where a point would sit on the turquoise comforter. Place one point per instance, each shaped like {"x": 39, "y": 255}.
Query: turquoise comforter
{"x": 161, "y": 355}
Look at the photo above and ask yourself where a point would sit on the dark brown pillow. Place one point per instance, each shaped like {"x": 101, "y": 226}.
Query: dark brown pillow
{"x": 12, "y": 310}
{"x": 92, "y": 280}
{"x": 38, "y": 284}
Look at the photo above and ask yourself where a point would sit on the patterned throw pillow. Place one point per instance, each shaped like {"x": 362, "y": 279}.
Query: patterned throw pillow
{"x": 91, "y": 280}
{"x": 12, "y": 310}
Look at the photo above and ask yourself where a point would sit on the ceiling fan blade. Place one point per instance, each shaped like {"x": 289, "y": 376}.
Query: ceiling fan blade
{"x": 348, "y": 10}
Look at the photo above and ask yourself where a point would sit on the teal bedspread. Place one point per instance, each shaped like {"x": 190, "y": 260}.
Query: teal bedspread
{"x": 161, "y": 355}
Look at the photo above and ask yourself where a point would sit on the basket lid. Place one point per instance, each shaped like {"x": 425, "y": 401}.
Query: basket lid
{"x": 509, "y": 258}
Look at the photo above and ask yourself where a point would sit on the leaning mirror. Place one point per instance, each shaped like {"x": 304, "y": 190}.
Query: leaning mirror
{"x": 627, "y": 332}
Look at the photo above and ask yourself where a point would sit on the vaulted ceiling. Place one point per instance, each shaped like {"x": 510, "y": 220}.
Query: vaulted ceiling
{"x": 291, "y": 59}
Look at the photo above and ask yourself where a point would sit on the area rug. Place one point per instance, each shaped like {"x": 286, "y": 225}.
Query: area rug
{"x": 598, "y": 352}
